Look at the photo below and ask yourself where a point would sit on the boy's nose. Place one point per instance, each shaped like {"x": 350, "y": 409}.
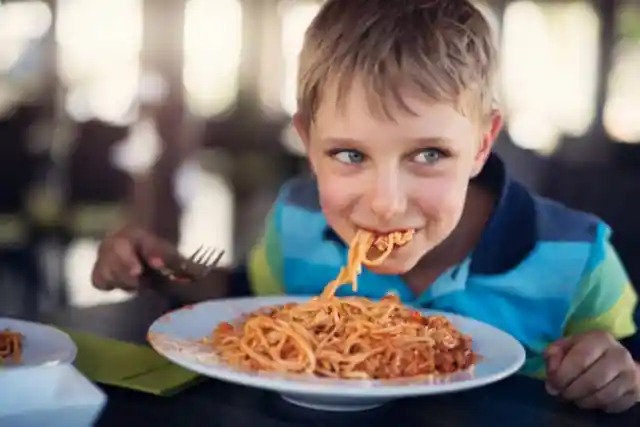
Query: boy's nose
{"x": 388, "y": 200}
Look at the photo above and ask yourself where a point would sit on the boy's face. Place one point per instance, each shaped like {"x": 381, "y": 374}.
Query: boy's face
{"x": 384, "y": 175}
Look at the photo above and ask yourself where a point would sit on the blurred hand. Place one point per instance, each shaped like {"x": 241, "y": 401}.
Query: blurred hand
{"x": 593, "y": 370}
{"x": 122, "y": 256}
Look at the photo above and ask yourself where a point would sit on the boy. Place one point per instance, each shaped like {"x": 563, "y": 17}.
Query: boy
{"x": 398, "y": 115}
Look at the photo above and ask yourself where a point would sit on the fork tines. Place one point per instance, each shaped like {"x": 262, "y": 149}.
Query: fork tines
{"x": 206, "y": 256}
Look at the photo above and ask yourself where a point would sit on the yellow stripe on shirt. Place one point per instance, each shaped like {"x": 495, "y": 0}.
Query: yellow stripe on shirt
{"x": 261, "y": 277}
{"x": 618, "y": 320}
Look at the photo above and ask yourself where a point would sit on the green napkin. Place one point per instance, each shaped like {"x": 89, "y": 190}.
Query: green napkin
{"x": 136, "y": 367}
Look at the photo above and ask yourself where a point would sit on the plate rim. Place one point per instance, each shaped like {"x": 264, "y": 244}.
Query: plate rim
{"x": 315, "y": 387}
{"x": 51, "y": 330}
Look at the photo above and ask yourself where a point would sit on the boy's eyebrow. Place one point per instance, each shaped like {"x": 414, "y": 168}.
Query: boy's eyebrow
{"x": 424, "y": 141}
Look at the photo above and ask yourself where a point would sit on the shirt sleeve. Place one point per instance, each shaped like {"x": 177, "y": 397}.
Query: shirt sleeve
{"x": 265, "y": 262}
{"x": 606, "y": 299}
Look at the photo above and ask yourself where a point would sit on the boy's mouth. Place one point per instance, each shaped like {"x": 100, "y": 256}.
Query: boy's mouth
{"x": 383, "y": 233}
{"x": 397, "y": 237}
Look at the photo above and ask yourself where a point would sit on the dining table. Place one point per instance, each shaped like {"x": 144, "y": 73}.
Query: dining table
{"x": 517, "y": 401}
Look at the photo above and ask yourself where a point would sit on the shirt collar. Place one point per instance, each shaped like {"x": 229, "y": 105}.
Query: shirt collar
{"x": 510, "y": 234}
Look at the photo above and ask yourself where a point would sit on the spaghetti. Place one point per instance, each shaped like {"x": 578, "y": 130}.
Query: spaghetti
{"x": 346, "y": 337}
{"x": 10, "y": 346}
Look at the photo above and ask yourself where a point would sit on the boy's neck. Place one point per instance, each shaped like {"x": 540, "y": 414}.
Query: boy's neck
{"x": 478, "y": 208}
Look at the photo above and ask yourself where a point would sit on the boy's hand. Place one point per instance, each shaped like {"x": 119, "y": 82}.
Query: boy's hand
{"x": 593, "y": 370}
{"x": 122, "y": 255}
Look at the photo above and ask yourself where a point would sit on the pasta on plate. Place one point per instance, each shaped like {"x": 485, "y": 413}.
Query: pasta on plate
{"x": 346, "y": 337}
{"x": 10, "y": 346}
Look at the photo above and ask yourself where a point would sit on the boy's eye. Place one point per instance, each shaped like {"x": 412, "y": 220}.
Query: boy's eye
{"x": 428, "y": 156}
{"x": 348, "y": 156}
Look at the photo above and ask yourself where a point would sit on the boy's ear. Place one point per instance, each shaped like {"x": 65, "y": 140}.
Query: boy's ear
{"x": 302, "y": 128}
{"x": 488, "y": 138}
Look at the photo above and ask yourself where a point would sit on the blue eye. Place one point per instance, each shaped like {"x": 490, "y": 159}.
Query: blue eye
{"x": 348, "y": 157}
{"x": 429, "y": 156}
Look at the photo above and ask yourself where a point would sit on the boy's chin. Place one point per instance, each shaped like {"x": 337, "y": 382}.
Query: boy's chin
{"x": 391, "y": 268}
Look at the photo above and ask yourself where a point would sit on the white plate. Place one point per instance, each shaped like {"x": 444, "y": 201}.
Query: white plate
{"x": 42, "y": 346}
{"x": 173, "y": 335}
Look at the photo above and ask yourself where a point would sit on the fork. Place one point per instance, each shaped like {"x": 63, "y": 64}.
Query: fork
{"x": 205, "y": 259}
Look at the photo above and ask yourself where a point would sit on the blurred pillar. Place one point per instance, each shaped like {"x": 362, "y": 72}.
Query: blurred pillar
{"x": 162, "y": 56}
{"x": 606, "y": 10}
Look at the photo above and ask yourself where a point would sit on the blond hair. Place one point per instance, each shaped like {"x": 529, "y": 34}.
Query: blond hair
{"x": 443, "y": 50}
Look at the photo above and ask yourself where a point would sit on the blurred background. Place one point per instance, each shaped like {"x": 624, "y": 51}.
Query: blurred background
{"x": 176, "y": 113}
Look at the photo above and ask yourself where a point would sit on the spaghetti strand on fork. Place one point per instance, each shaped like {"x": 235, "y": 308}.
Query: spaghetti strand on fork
{"x": 346, "y": 337}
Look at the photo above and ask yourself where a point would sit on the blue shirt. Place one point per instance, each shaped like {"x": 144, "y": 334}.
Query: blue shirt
{"x": 540, "y": 271}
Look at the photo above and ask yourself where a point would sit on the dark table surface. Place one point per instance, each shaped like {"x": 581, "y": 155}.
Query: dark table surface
{"x": 517, "y": 401}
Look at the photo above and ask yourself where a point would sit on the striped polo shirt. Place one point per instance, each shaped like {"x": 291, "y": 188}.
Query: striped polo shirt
{"x": 540, "y": 271}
